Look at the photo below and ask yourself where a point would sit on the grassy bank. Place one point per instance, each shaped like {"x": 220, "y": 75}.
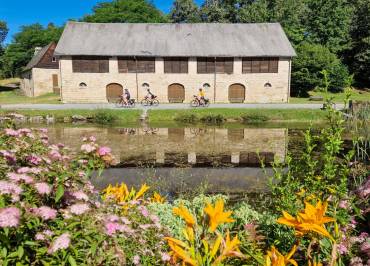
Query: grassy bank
{"x": 117, "y": 116}
{"x": 271, "y": 115}
{"x": 15, "y": 96}
{"x": 356, "y": 95}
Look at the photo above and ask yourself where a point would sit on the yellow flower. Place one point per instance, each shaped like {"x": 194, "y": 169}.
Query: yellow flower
{"x": 275, "y": 258}
{"x": 314, "y": 263}
{"x": 141, "y": 192}
{"x": 301, "y": 192}
{"x": 180, "y": 250}
{"x": 158, "y": 198}
{"x": 184, "y": 214}
{"x": 312, "y": 219}
{"x": 217, "y": 215}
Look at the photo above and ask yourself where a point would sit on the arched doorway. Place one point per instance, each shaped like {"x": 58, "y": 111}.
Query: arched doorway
{"x": 176, "y": 93}
{"x": 114, "y": 91}
{"x": 236, "y": 93}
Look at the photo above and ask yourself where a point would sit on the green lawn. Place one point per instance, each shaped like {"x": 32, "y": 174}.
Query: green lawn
{"x": 273, "y": 115}
{"x": 356, "y": 95}
{"x": 15, "y": 96}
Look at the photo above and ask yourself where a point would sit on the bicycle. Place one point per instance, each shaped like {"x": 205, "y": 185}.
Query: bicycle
{"x": 197, "y": 103}
{"x": 130, "y": 104}
{"x": 150, "y": 102}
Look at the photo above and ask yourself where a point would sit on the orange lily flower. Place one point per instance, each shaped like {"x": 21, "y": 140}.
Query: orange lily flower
{"x": 314, "y": 263}
{"x": 217, "y": 215}
{"x": 185, "y": 214}
{"x": 144, "y": 188}
{"x": 312, "y": 219}
{"x": 178, "y": 250}
{"x": 275, "y": 258}
{"x": 158, "y": 198}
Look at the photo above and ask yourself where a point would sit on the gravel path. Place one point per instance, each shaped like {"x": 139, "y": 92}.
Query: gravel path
{"x": 69, "y": 106}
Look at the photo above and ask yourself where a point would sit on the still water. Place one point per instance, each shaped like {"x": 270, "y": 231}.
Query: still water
{"x": 175, "y": 159}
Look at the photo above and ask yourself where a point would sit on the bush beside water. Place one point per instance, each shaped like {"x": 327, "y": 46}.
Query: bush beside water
{"x": 104, "y": 117}
{"x": 254, "y": 118}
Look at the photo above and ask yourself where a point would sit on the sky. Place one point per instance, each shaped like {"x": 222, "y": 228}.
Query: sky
{"x": 24, "y": 12}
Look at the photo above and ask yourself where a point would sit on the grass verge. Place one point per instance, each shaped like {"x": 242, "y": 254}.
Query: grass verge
{"x": 272, "y": 115}
{"x": 357, "y": 95}
{"x": 15, "y": 96}
{"x": 104, "y": 115}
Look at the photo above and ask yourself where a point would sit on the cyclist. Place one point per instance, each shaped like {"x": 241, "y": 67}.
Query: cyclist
{"x": 150, "y": 95}
{"x": 126, "y": 97}
{"x": 201, "y": 96}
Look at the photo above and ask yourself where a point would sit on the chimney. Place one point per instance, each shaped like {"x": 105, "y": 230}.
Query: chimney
{"x": 37, "y": 50}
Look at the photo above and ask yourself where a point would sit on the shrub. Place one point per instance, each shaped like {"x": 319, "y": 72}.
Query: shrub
{"x": 104, "y": 117}
{"x": 254, "y": 118}
{"x": 187, "y": 118}
{"x": 307, "y": 67}
{"x": 213, "y": 119}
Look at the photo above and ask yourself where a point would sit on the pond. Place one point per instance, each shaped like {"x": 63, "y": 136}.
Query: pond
{"x": 174, "y": 159}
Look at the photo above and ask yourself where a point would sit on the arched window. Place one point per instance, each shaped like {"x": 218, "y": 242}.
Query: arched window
{"x": 83, "y": 85}
{"x": 268, "y": 85}
{"x": 206, "y": 85}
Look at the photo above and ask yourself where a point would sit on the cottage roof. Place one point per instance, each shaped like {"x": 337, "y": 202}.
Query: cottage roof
{"x": 37, "y": 57}
{"x": 199, "y": 39}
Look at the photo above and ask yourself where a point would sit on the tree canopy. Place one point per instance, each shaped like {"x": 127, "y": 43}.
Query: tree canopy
{"x": 184, "y": 11}
{"x": 133, "y": 11}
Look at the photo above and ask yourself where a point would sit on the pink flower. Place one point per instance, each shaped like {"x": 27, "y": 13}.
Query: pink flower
{"x": 9, "y": 156}
{"x": 88, "y": 148}
{"x": 79, "y": 208}
{"x": 154, "y": 218}
{"x": 111, "y": 228}
{"x": 343, "y": 204}
{"x": 43, "y": 130}
{"x": 20, "y": 177}
{"x": 45, "y": 212}
{"x": 136, "y": 260}
{"x": 365, "y": 247}
{"x": 145, "y": 226}
{"x": 40, "y": 237}
{"x": 102, "y": 151}
{"x": 43, "y": 188}
{"x": 92, "y": 139}
{"x": 165, "y": 257}
{"x": 26, "y": 170}
{"x": 9, "y": 217}
{"x": 9, "y": 188}
{"x": 34, "y": 159}
{"x": 55, "y": 155}
{"x": 61, "y": 242}
{"x": 342, "y": 249}
{"x": 80, "y": 195}
{"x": 356, "y": 261}
{"x": 113, "y": 218}
{"x": 144, "y": 211}
{"x": 11, "y": 132}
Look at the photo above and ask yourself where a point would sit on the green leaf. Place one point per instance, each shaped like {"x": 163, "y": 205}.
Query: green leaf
{"x": 20, "y": 252}
{"x": 60, "y": 193}
{"x": 72, "y": 261}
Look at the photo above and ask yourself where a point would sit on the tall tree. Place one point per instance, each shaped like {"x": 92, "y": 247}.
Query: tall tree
{"x": 20, "y": 51}
{"x": 214, "y": 11}
{"x": 252, "y": 11}
{"x": 134, "y": 11}
{"x": 358, "y": 57}
{"x": 184, "y": 11}
{"x": 3, "y": 31}
{"x": 328, "y": 23}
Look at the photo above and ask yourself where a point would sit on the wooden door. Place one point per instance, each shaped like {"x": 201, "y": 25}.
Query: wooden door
{"x": 114, "y": 91}
{"x": 236, "y": 93}
{"x": 176, "y": 93}
{"x": 56, "y": 89}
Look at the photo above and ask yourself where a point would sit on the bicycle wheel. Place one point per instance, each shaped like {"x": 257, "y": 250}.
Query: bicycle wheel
{"x": 155, "y": 102}
{"x": 206, "y": 103}
{"x": 144, "y": 102}
{"x": 194, "y": 103}
{"x": 118, "y": 103}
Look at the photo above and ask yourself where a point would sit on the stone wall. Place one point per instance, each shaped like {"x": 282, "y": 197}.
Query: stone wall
{"x": 38, "y": 81}
{"x": 95, "y": 91}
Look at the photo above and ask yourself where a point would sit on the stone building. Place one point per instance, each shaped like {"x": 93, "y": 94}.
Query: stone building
{"x": 248, "y": 63}
{"x": 41, "y": 75}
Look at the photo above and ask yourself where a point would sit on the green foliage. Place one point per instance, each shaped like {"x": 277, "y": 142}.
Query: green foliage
{"x": 187, "y": 118}
{"x": 358, "y": 56}
{"x": 3, "y": 31}
{"x": 104, "y": 117}
{"x": 312, "y": 59}
{"x": 213, "y": 119}
{"x": 254, "y": 118}
{"x": 128, "y": 11}
{"x": 184, "y": 11}
{"x": 21, "y": 50}
{"x": 328, "y": 23}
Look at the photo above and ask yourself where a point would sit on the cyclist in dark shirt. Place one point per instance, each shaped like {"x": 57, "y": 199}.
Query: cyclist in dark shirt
{"x": 126, "y": 97}
{"x": 150, "y": 95}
